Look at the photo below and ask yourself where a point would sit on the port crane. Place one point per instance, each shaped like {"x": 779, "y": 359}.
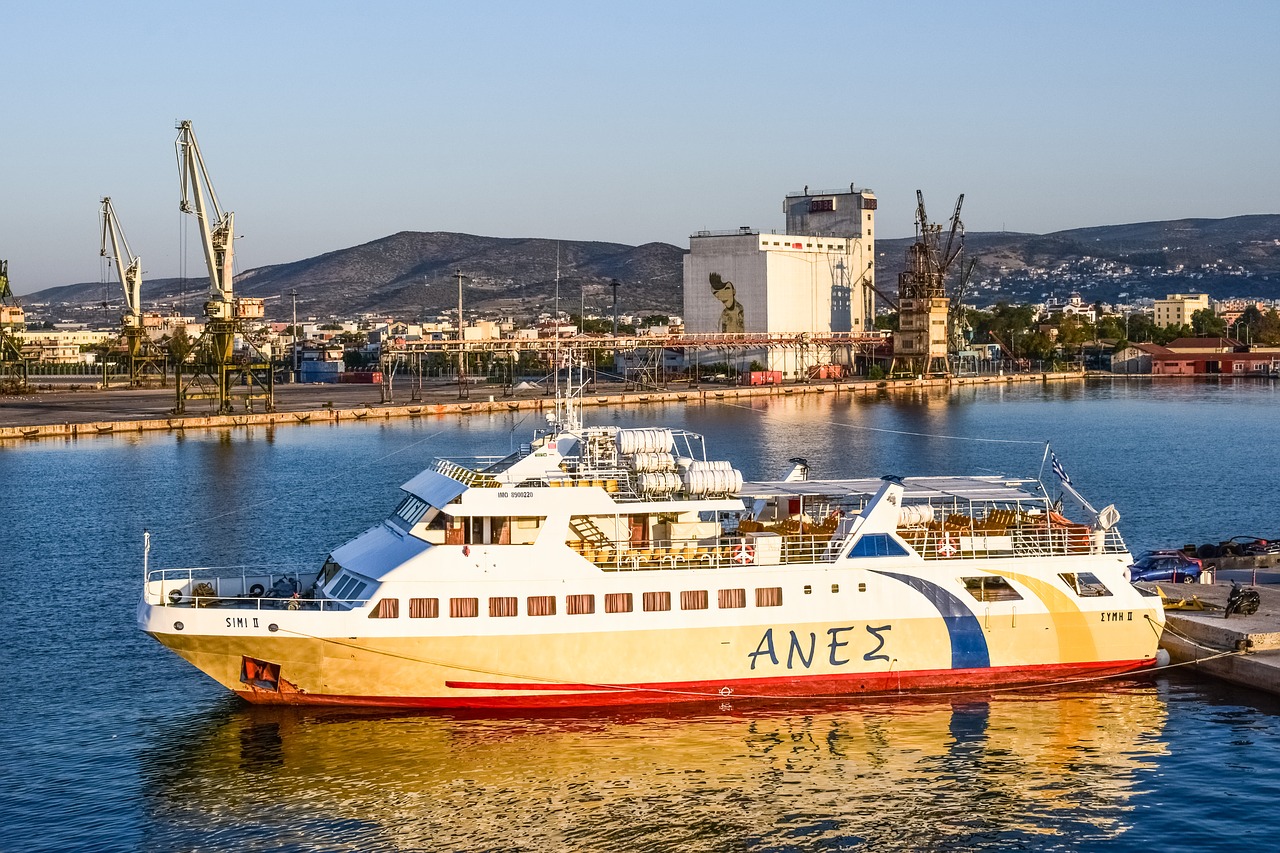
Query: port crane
{"x": 246, "y": 374}
{"x": 924, "y": 314}
{"x": 13, "y": 360}
{"x": 144, "y": 356}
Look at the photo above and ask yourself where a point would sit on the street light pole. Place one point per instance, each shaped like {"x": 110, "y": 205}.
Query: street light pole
{"x": 462, "y": 358}
{"x": 293, "y": 376}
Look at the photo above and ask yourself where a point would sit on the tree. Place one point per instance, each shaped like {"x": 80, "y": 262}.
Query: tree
{"x": 1073, "y": 331}
{"x": 1141, "y": 328}
{"x": 1249, "y": 326}
{"x": 1268, "y": 331}
{"x": 352, "y": 340}
{"x": 180, "y": 345}
{"x": 887, "y": 322}
{"x": 1171, "y": 332}
{"x": 1207, "y": 324}
{"x": 1111, "y": 326}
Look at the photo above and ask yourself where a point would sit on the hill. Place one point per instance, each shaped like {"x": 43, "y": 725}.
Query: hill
{"x": 1239, "y": 256}
{"x": 410, "y": 275}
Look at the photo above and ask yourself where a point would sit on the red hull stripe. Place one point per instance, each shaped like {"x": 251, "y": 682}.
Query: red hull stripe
{"x": 799, "y": 686}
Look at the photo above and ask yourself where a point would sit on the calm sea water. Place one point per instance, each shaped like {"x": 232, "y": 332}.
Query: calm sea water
{"x": 112, "y": 743}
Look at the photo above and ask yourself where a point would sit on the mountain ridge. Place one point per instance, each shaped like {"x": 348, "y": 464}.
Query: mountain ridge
{"x": 411, "y": 274}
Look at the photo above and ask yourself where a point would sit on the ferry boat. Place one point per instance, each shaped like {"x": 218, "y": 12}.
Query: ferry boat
{"x": 601, "y": 566}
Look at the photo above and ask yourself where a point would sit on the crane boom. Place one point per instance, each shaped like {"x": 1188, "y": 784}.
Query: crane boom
{"x": 130, "y": 273}
{"x": 216, "y": 227}
{"x": 956, "y": 225}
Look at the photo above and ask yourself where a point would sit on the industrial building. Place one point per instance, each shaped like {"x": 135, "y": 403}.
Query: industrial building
{"x": 815, "y": 280}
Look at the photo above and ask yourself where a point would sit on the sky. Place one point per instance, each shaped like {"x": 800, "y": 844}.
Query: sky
{"x": 326, "y": 125}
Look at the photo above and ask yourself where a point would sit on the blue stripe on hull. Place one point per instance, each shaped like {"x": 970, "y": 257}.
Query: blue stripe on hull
{"x": 968, "y": 643}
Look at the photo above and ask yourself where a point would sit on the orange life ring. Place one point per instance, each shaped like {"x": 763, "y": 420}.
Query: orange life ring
{"x": 948, "y": 547}
{"x": 744, "y": 554}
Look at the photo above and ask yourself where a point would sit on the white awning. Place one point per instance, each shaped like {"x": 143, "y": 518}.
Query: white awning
{"x": 434, "y": 488}
{"x": 978, "y": 489}
{"x": 378, "y": 551}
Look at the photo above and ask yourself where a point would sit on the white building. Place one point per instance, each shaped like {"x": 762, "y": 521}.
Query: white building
{"x": 1074, "y": 306}
{"x": 814, "y": 280}
{"x": 1176, "y": 308}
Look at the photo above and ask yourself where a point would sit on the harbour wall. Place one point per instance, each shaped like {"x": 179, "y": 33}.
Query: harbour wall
{"x": 423, "y": 409}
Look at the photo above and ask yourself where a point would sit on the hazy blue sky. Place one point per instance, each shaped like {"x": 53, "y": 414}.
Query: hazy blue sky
{"x": 325, "y": 125}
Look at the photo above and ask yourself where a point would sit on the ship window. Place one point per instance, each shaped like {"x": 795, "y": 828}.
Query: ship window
{"x": 502, "y": 606}
{"x": 808, "y": 590}
{"x": 1085, "y": 584}
{"x": 693, "y": 599}
{"x": 770, "y": 596}
{"x": 730, "y": 598}
{"x": 835, "y": 587}
{"x": 657, "y": 601}
{"x": 541, "y": 605}
{"x": 578, "y": 605}
{"x": 411, "y": 510}
{"x": 424, "y": 608}
{"x": 877, "y": 545}
{"x": 388, "y": 608}
{"x": 992, "y": 588}
{"x": 348, "y": 588}
{"x": 460, "y": 608}
{"x": 617, "y": 602}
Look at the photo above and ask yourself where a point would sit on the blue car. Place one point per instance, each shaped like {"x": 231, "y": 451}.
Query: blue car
{"x": 1172, "y": 566}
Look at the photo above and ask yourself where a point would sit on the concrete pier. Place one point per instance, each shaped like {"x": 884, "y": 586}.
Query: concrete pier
{"x": 1243, "y": 650}
{"x": 72, "y": 414}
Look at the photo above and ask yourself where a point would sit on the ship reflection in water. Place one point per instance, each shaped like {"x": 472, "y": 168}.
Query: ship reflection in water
{"x": 990, "y": 771}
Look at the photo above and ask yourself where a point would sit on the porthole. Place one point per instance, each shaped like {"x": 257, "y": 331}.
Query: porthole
{"x": 808, "y": 590}
{"x": 177, "y": 626}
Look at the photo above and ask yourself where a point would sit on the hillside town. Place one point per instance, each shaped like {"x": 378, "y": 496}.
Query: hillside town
{"x": 1183, "y": 334}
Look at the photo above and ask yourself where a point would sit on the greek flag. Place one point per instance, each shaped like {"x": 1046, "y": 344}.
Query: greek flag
{"x": 1057, "y": 468}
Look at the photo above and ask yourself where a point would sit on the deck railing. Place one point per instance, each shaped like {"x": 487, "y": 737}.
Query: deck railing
{"x": 238, "y": 588}
{"x": 742, "y": 551}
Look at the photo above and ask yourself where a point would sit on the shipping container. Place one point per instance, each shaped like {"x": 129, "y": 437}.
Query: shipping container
{"x": 361, "y": 377}
{"x": 320, "y": 371}
{"x": 760, "y": 377}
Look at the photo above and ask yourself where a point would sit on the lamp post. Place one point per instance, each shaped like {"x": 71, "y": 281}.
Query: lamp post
{"x": 293, "y": 376}
{"x": 462, "y": 358}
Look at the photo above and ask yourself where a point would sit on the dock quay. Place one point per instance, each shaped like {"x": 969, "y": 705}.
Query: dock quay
{"x": 80, "y": 414}
{"x": 1243, "y": 650}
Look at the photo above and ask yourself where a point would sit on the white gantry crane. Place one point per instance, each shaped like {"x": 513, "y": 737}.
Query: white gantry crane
{"x": 143, "y": 355}
{"x": 128, "y": 265}
{"x": 226, "y": 316}
{"x": 217, "y": 233}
